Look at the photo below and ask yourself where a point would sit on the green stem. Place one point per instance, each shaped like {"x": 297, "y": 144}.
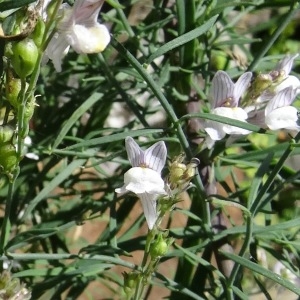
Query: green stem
{"x": 25, "y": 94}
{"x": 269, "y": 42}
{"x": 246, "y": 244}
{"x": 258, "y": 203}
{"x": 140, "y": 285}
{"x": 5, "y": 230}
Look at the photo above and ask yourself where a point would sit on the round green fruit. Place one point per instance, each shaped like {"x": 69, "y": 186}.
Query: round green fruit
{"x": 8, "y": 157}
{"x": 24, "y": 58}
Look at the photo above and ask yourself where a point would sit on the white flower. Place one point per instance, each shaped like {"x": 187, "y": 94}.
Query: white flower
{"x": 279, "y": 114}
{"x": 144, "y": 177}
{"x": 283, "y": 70}
{"x": 225, "y": 96}
{"x": 78, "y": 28}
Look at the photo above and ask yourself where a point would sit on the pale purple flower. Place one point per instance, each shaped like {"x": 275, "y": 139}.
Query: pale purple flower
{"x": 281, "y": 79}
{"x": 279, "y": 114}
{"x": 284, "y": 68}
{"x": 225, "y": 97}
{"x": 78, "y": 27}
{"x": 144, "y": 178}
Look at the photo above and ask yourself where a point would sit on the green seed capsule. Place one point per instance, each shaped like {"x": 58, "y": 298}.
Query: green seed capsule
{"x": 8, "y": 157}
{"x": 29, "y": 109}
{"x": 12, "y": 90}
{"x": 24, "y": 58}
{"x": 6, "y": 134}
{"x": 159, "y": 247}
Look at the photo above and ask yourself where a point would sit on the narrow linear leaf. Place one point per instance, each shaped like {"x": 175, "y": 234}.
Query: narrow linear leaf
{"x": 183, "y": 39}
{"x": 31, "y": 236}
{"x": 53, "y": 184}
{"x": 223, "y": 120}
{"x": 75, "y": 116}
{"x": 262, "y": 271}
{"x": 115, "y": 137}
{"x": 11, "y": 4}
{"x": 258, "y": 179}
{"x": 240, "y": 41}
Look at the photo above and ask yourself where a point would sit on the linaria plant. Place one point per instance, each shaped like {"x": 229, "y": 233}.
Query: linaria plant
{"x": 149, "y": 149}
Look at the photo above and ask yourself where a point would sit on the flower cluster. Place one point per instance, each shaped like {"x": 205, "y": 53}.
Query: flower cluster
{"x": 266, "y": 102}
{"x": 144, "y": 178}
{"x": 12, "y": 289}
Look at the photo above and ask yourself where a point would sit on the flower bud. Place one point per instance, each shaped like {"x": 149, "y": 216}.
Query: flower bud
{"x": 12, "y": 289}
{"x": 181, "y": 174}
{"x": 260, "y": 84}
{"x": 159, "y": 247}
{"x": 24, "y": 58}
{"x": 130, "y": 281}
{"x": 29, "y": 109}
{"x": 8, "y": 157}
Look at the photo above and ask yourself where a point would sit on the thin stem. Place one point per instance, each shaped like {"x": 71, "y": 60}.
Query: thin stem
{"x": 246, "y": 244}
{"x": 140, "y": 285}
{"x": 5, "y": 230}
{"x": 269, "y": 42}
{"x": 258, "y": 203}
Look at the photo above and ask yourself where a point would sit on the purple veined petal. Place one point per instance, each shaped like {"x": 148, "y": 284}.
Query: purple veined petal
{"x": 284, "y": 98}
{"x": 149, "y": 208}
{"x": 240, "y": 87}
{"x": 134, "y": 152}
{"x": 286, "y": 64}
{"x": 86, "y": 11}
{"x": 221, "y": 89}
{"x": 155, "y": 156}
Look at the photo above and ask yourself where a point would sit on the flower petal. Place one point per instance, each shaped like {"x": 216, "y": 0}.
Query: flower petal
{"x": 221, "y": 88}
{"x": 240, "y": 87}
{"x": 214, "y": 130}
{"x": 239, "y": 114}
{"x": 155, "y": 156}
{"x": 286, "y": 64}
{"x": 88, "y": 39}
{"x": 149, "y": 207}
{"x": 289, "y": 81}
{"x": 281, "y": 99}
{"x": 143, "y": 180}
{"x": 57, "y": 49}
{"x": 86, "y": 11}
{"x": 134, "y": 152}
{"x": 283, "y": 118}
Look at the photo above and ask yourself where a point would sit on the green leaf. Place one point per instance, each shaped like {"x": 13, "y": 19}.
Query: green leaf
{"x": 223, "y": 120}
{"x": 75, "y": 116}
{"x": 237, "y": 41}
{"x": 11, "y": 4}
{"x": 115, "y": 137}
{"x": 183, "y": 39}
{"x": 61, "y": 176}
{"x": 258, "y": 179}
{"x": 262, "y": 271}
